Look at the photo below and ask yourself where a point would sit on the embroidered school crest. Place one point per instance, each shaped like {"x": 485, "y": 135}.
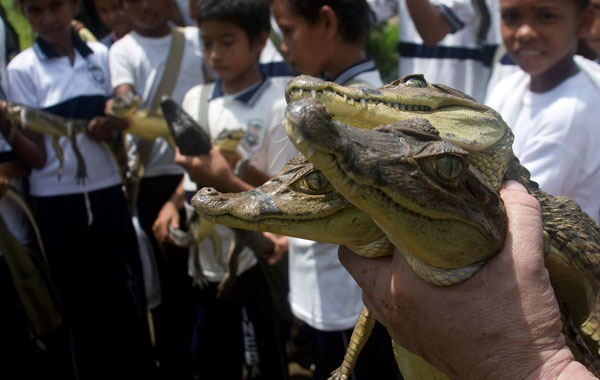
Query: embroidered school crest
{"x": 255, "y": 132}
{"x": 96, "y": 73}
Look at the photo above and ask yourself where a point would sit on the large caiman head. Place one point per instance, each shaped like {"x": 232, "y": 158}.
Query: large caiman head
{"x": 421, "y": 190}
{"x": 458, "y": 118}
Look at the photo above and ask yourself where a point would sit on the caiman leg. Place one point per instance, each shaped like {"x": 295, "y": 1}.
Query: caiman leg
{"x": 359, "y": 337}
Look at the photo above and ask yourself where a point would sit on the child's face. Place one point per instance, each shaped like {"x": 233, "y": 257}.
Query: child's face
{"x": 148, "y": 17}
{"x": 302, "y": 41}
{"x": 542, "y": 34}
{"x": 50, "y": 19}
{"x": 593, "y": 38}
{"x": 228, "y": 50}
{"x": 112, "y": 16}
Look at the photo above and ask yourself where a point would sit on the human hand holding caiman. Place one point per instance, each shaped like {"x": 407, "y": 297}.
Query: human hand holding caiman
{"x": 425, "y": 184}
{"x": 513, "y": 284}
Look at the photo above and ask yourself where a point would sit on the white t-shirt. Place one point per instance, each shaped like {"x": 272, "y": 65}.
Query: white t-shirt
{"x": 557, "y": 136}
{"x": 140, "y": 61}
{"x": 40, "y": 79}
{"x": 259, "y": 111}
{"x": 459, "y": 60}
{"x": 322, "y": 292}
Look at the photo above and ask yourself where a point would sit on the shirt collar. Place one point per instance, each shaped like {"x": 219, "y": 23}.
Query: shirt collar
{"x": 352, "y": 71}
{"x": 247, "y": 96}
{"x": 46, "y": 51}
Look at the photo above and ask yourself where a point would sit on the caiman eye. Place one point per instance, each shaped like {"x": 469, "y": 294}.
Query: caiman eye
{"x": 314, "y": 183}
{"x": 415, "y": 82}
{"x": 449, "y": 167}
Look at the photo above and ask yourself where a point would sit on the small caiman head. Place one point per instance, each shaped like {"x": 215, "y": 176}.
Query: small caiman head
{"x": 457, "y": 117}
{"x": 125, "y": 104}
{"x": 298, "y": 202}
{"x": 421, "y": 190}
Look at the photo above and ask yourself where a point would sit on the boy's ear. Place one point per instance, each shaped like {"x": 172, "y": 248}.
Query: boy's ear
{"x": 586, "y": 20}
{"x": 329, "y": 19}
{"x": 261, "y": 40}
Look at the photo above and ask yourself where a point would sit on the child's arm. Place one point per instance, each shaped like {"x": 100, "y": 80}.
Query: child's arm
{"x": 28, "y": 145}
{"x": 429, "y": 21}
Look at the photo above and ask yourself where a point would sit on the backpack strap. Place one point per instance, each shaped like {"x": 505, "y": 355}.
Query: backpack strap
{"x": 165, "y": 87}
{"x": 205, "y": 90}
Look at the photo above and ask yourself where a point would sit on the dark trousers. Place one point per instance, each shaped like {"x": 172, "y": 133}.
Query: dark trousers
{"x": 19, "y": 351}
{"x": 97, "y": 271}
{"x": 239, "y": 335}
{"x": 376, "y": 360}
{"x": 174, "y": 317}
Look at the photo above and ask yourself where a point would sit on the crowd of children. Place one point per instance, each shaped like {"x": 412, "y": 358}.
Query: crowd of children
{"x": 228, "y": 68}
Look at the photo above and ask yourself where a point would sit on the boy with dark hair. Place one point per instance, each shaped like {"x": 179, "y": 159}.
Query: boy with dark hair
{"x": 85, "y": 226}
{"x": 146, "y": 61}
{"x": 243, "y": 326}
{"x": 552, "y": 103}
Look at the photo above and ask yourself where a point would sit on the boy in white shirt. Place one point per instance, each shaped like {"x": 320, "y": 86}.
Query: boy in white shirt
{"x": 137, "y": 64}
{"x": 237, "y": 335}
{"x": 552, "y": 104}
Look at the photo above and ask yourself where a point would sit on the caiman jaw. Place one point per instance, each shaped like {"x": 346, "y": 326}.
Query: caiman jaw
{"x": 458, "y": 118}
{"x": 425, "y": 228}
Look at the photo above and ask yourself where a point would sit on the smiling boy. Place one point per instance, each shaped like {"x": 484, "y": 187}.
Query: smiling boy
{"x": 553, "y": 103}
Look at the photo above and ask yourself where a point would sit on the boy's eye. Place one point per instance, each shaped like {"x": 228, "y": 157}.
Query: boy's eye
{"x": 509, "y": 17}
{"x": 547, "y": 16}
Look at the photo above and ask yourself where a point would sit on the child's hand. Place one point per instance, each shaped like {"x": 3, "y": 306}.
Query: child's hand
{"x": 281, "y": 247}
{"x": 101, "y": 128}
{"x": 168, "y": 216}
{"x": 211, "y": 170}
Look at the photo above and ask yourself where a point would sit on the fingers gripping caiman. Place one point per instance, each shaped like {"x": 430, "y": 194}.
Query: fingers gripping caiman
{"x": 466, "y": 166}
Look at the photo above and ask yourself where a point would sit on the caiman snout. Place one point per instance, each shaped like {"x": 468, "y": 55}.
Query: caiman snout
{"x": 249, "y": 205}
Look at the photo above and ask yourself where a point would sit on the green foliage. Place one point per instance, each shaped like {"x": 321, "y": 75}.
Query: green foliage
{"x": 382, "y": 46}
{"x": 19, "y": 23}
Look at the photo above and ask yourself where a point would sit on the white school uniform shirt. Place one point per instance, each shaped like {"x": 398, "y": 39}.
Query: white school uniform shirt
{"x": 460, "y": 60}
{"x": 557, "y": 136}
{"x": 322, "y": 292}
{"x": 39, "y": 78}
{"x": 259, "y": 111}
{"x": 140, "y": 61}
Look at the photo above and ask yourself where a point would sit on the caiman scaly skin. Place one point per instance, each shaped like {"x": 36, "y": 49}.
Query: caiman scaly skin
{"x": 440, "y": 172}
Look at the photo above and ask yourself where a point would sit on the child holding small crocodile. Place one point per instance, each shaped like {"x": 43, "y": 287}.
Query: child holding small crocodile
{"x": 85, "y": 226}
{"x": 552, "y": 104}
{"x": 237, "y": 333}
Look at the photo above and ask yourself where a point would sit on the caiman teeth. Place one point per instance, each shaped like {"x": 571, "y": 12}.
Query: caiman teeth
{"x": 300, "y": 139}
{"x": 311, "y": 152}
{"x": 363, "y": 101}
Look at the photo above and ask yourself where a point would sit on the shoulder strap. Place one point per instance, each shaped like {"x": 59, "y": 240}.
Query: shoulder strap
{"x": 205, "y": 90}
{"x": 165, "y": 87}
{"x": 169, "y": 77}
